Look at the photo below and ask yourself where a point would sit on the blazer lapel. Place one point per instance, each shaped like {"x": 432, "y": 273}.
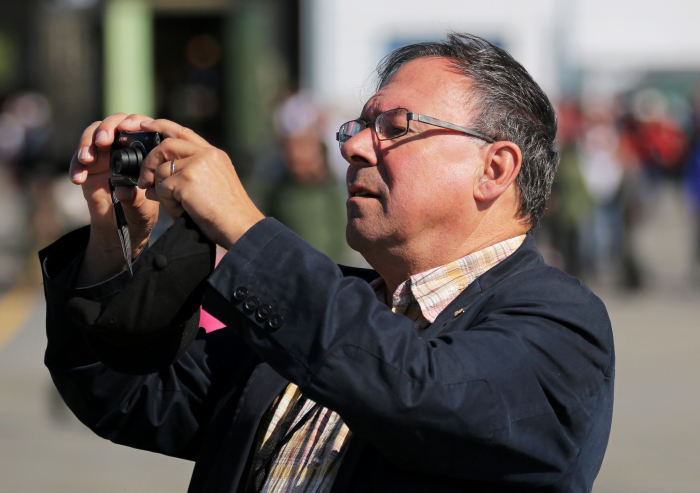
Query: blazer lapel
{"x": 263, "y": 386}
{"x": 347, "y": 466}
{"x": 523, "y": 258}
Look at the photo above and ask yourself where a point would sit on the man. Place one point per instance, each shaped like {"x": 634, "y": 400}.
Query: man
{"x": 466, "y": 364}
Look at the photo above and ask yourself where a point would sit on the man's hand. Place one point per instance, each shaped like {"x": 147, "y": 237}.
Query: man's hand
{"x": 90, "y": 169}
{"x": 204, "y": 183}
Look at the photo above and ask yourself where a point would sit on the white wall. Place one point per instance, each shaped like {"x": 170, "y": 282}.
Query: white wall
{"x": 638, "y": 34}
{"x": 343, "y": 41}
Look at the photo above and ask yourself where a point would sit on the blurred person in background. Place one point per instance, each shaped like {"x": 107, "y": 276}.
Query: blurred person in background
{"x": 636, "y": 202}
{"x": 659, "y": 141}
{"x": 461, "y": 363}
{"x": 306, "y": 198}
{"x": 652, "y": 149}
{"x": 570, "y": 208}
{"x": 26, "y": 164}
{"x": 691, "y": 182}
{"x": 603, "y": 175}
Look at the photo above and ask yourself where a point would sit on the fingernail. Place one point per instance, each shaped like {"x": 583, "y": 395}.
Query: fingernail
{"x": 80, "y": 176}
{"x": 101, "y": 136}
{"x": 146, "y": 122}
{"x": 127, "y": 122}
{"x": 84, "y": 154}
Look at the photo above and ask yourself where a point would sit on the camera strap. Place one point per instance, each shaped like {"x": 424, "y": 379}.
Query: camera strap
{"x": 122, "y": 227}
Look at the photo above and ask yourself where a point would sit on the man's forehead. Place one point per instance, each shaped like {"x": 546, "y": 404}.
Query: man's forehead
{"x": 423, "y": 84}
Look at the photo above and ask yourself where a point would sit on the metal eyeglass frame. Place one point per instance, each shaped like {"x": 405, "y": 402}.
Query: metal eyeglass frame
{"x": 417, "y": 117}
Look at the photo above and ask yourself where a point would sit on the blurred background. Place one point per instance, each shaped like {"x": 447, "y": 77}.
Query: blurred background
{"x": 270, "y": 81}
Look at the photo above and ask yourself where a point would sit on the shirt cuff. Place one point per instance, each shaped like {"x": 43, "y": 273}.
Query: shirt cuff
{"x": 64, "y": 278}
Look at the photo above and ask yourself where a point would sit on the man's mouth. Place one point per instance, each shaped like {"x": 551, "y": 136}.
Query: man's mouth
{"x": 356, "y": 190}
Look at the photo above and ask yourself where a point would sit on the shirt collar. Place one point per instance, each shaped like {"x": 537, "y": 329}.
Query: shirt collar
{"x": 423, "y": 296}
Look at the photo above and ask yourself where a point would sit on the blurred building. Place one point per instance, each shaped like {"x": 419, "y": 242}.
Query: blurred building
{"x": 217, "y": 66}
{"x": 220, "y": 66}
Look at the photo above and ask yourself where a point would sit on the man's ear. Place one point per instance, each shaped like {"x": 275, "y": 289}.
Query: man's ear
{"x": 502, "y": 162}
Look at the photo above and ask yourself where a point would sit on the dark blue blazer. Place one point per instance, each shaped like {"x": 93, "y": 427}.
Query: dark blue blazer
{"x": 510, "y": 389}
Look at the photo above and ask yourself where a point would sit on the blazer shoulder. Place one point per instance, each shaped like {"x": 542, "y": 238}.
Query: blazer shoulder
{"x": 525, "y": 271}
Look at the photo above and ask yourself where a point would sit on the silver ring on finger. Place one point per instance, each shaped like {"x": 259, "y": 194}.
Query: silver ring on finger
{"x": 172, "y": 167}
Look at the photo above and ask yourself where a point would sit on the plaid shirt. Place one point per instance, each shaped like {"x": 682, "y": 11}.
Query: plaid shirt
{"x": 309, "y": 461}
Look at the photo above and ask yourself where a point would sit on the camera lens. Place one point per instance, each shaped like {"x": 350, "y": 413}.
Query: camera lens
{"x": 127, "y": 162}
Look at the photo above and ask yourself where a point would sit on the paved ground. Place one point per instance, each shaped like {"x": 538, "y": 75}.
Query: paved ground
{"x": 655, "y": 442}
{"x": 43, "y": 449}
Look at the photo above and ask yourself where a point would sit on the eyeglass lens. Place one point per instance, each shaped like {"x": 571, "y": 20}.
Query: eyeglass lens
{"x": 392, "y": 124}
{"x": 389, "y": 125}
{"x": 350, "y": 129}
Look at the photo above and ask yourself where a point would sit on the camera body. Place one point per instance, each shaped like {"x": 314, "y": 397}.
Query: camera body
{"x": 127, "y": 154}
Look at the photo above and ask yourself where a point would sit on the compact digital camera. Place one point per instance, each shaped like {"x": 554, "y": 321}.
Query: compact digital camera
{"x": 127, "y": 154}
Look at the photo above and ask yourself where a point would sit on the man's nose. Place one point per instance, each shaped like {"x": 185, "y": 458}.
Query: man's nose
{"x": 361, "y": 149}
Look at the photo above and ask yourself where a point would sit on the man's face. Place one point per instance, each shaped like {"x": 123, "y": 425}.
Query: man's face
{"x": 416, "y": 190}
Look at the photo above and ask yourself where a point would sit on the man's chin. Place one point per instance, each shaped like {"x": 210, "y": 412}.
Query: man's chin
{"x": 358, "y": 238}
{"x": 363, "y": 236}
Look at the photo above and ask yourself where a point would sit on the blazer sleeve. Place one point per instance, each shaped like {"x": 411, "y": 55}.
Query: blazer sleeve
{"x": 164, "y": 412}
{"x": 506, "y": 395}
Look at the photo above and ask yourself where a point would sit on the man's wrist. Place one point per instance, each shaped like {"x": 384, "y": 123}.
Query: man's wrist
{"x": 104, "y": 257}
{"x": 107, "y": 239}
{"x": 241, "y": 227}
{"x": 100, "y": 263}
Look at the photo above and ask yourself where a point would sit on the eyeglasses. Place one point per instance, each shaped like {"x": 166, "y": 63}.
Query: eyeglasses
{"x": 394, "y": 123}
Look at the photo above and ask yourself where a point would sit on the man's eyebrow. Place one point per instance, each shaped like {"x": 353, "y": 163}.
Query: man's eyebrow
{"x": 372, "y": 111}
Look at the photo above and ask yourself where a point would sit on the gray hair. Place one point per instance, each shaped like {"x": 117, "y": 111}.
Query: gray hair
{"x": 510, "y": 106}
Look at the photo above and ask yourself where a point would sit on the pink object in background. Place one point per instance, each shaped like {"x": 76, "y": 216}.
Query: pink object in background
{"x": 207, "y": 321}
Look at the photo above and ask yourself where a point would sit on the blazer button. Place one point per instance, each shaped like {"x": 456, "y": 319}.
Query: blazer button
{"x": 251, "y": 303}
{"x": 275, "y": 321}
{"x": 160, "y": 262}
{"x": 240, "y": 293}
{"x": 264, "y": 311}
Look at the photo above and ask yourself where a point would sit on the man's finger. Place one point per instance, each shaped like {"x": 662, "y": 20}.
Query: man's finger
{"x": 173, "y": 130}
{"x": 104, "y": 133}
{"x": 138, "y": 208}
{"x": 86, "y": 148}
{"x": 95, "y": 145}
{"x": 132, "y": 123}
{"x": 166, "y": 190}
{"x": 77, "y": 171}
{"x": 126, "y": 195}
{"x": 167, "y": 169}
{"x": 168, "y": 150}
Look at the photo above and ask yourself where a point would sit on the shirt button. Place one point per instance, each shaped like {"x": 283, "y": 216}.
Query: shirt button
{"x": 264, "y": 312}
{"x": 240, "y": 293}
{"x": 275, "y": 321}
{"x": 251, "y": 303}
